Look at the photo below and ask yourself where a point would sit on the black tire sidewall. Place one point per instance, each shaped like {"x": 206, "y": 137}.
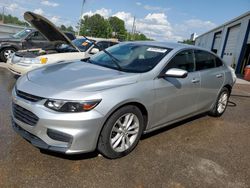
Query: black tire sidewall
{"x": 104, "y": 146}
{"x": 2, "y": 53}
{"x": 215, "y": 112}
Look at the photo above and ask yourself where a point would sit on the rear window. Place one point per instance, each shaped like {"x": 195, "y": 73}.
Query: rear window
{"x": 204, "y": 60}
{"x": 218, "y": 62}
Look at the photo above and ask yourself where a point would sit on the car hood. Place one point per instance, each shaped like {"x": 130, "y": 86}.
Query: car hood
{"x": 47, "y": 28}
{"x": 79, "y": 77}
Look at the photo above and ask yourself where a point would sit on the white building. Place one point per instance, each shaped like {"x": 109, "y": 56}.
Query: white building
{"x": 231, "y": 41}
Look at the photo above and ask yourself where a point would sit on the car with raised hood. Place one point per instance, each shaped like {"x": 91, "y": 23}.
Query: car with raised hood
{"x": 27, "y": 38}
{"x": 63, "y": 49}
{"x": 106, "y": 102}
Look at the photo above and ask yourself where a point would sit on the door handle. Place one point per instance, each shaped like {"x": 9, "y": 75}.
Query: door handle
{"x": 194, "y": 80}
{"x": 218, "y": 75}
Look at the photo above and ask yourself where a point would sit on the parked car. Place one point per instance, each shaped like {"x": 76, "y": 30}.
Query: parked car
{"x": 109, "y": 100}
{"x": 62, "y": 50}
{"x": 26, "y": 39}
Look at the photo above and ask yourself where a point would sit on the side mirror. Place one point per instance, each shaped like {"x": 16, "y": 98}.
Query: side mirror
{"x": 176, "y": 73}
{"x": 94, "y": 51}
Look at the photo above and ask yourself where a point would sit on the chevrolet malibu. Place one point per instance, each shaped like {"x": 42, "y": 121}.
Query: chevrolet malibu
{"x": 106, "y": 102}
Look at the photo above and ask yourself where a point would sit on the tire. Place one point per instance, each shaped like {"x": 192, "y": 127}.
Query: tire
{"x": 115, "y": 140}
{"x": 6, "y": 52}
{"x": 221, "y": 103}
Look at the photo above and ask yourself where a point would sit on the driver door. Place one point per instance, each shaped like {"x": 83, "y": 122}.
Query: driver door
{"x": 36, "y": 40}
{"x": 177, "y": 97}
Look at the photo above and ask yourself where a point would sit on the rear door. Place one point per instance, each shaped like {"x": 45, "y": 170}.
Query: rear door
{"x": 177, "y": 97}
{"x": 212, "y": 78}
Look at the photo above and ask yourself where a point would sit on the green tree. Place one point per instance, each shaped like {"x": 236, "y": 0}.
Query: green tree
{"x": 95, "y": 26}
{"x": 9, "y": 19}
{"x": 70, "y": 29}
{"x": 67, "y": 29}
{"x": 118, "y": 27}
{"x": 187, "y": 41}
{"x": 137, "y": 36}
{"x": 63, "y": 28}
{"x": 98, "y": 26}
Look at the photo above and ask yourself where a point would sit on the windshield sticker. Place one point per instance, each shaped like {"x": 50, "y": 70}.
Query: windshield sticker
{"x": 159, "y": 50}
{"x": 85, "y": 44}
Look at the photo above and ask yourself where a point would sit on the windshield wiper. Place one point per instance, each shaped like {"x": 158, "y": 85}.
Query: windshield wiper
{"x": 114, "y": 60}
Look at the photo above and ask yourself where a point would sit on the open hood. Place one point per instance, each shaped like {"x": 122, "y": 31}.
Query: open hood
{"x": 47, "y": 28}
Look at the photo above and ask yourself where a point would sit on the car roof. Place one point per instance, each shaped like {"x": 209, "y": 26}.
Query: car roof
{"x": 100, "y": 39}
{"x": 172, "y": 45}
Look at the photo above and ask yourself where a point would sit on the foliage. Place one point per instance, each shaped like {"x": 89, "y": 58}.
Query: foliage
{"x": 67, "y": 29}
{"x": 187, "y": 41}
{"x": 137, "y": 36}
{"x": 98, "y": 26}
{"x": 8, "y": 19}
{"x": 118, "y": 27}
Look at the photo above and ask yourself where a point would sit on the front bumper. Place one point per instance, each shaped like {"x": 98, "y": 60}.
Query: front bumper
{"x": 69, "y": 133}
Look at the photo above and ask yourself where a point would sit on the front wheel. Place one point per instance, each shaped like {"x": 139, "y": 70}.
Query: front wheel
{"x": 6, "y": 53}
{"x": 221, "y": 103}
{"x": 121, "y": 132}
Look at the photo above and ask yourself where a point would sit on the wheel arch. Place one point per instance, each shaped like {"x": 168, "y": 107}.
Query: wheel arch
{"x": 9, "y": 46}
{"x": 229, "y": 87}
{"x": 139, "y": 105}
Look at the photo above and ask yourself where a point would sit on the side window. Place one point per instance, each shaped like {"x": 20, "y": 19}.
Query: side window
{"x": 183, "y": 60}
{"x": 218, "y": 62}
{"x": 204, "y": 60}
{"x": 37, "y": 36}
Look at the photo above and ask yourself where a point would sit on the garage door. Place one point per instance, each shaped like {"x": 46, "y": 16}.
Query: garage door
{"x": 217, "y": 41}
{"x": 230, "y": 48}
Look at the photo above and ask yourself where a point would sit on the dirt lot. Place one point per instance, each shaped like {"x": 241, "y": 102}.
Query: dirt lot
{"x": 200, "y": 152}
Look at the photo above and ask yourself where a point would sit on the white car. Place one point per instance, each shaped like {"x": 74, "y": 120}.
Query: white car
{"x": 63, "y": 50}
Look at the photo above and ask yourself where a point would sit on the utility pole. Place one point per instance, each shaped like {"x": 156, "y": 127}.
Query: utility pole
{"x": 133, "y": 28}
{"x": 80, "y": 20}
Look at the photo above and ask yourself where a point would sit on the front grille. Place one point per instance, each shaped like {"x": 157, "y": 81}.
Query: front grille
{"x": 28, "y": 97}
{"x": 24, "y": 115}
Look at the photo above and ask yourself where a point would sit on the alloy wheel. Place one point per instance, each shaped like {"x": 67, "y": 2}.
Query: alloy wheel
{"x": 124, "y": 132}
{"x": 222, "y": 102}
{"x": 7, "y": 53}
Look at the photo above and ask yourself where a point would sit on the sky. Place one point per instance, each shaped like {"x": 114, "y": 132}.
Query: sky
{"x": 163, "y": 20}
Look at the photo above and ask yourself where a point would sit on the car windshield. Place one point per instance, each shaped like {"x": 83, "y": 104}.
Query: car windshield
{"x": 131, "y": 57}
{"x": 82, "y": 44}
{"x": 22, "y": 34}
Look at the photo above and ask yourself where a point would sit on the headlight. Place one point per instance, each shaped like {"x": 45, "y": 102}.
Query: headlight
{"x": 30, "y": 60}
{"x": 71, "y": 106}
{"x": 42, "y": 60}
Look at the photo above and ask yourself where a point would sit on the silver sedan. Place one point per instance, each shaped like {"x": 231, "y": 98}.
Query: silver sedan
{"x": 108, "y": 101}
